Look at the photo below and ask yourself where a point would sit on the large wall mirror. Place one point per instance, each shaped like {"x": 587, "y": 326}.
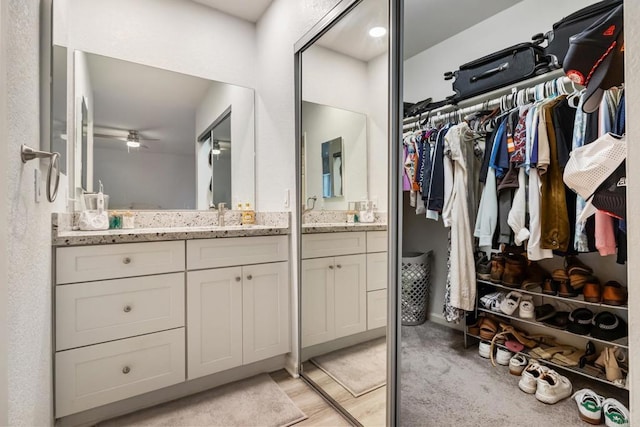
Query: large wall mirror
{"x": 343, "y": 111}
{"x": 153, "y": 137}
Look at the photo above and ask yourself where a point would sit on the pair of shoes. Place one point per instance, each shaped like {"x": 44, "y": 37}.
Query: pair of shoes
{"x": 612, "y": 292}
{"x": 517, "y": 364}
{"x": 535, "y": 276}
{"x": 549, "y": 386}
{"x": 515, "y": 300}
{"x": 562, "y": 285}
{"x": 484, "y": 349}
{"x": 483, "y": 267}
{"x": 592, "y": 407}
{"x": 508, "y": 268}
{"x": 502, "y": 356}
{"x": 609, "y": 359}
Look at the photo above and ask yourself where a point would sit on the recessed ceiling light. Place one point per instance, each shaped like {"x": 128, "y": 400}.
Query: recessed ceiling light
{"x": 377, "y": 31}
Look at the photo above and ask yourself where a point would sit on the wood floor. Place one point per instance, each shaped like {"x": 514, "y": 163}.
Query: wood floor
{"x": 369, "y": 409}
{"x": 311, "y": 403}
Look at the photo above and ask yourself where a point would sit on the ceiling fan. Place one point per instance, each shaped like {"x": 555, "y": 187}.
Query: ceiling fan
{"x": 132, "y": 138}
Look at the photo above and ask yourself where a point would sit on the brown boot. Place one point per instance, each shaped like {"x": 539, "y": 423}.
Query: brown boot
{"x": 592, "y": 290}
{"x": 614, "y": 293}
{"x": 497, "y": 268}
{"x": 564, "y": 285}
{"x": 535, "y": 276}
{"x": 514, "y": 270}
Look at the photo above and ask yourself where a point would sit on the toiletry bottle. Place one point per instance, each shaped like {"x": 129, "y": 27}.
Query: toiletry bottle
{"x": 248, "y": 215}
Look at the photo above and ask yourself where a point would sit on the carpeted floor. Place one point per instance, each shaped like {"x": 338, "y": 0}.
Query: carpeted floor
{"x": 360, "y": 368}
{"x": 255, "y": 401}
{"x": 444, "y": 384}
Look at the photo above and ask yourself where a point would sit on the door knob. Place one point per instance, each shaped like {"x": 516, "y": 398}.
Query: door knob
{"x": 127, "y": 308}
{"x": 339, "y": 266}
{"x": 238, "y": 278}
{"x": 126, "y": 260}
{"x": 331, "y": 267}
{"x": 126, "y": 370}
{"x": 249, "y": 277}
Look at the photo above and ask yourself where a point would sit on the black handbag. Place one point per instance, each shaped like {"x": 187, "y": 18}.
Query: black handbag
{"x": 499, "y": 69}
{"x": 558, "y": 38}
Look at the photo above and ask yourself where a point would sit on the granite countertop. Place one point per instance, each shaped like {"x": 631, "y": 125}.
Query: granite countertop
{"x": 154, "y": 226}
{"x": 75, "y": 238}
{"x": 332, "y": 227}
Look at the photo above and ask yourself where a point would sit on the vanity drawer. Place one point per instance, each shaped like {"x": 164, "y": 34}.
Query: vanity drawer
{"x": 377, "y": 271}
{"x": 376, "y": 241}
{"x": 86, "y": 263}
{"x": 99, "y": 374}
{"x": 227, "y": 252}
{"x": 332, "y": 244}
{"x": 94, "y": 312}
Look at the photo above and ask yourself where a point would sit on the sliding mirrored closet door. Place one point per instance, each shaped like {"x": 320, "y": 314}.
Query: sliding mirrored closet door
{"x": 448, "y": 371}
{"x": 343, "y": 113}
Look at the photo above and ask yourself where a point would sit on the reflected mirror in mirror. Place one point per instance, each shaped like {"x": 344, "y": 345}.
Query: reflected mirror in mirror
{"x": 149, "y": 140}
{"x": 320, "y": 125}
{"x": 343, "y": 133}
{"x": 83, "y": 135}
{"x": 332, "y": 168}
{"x": 59, "y": 109}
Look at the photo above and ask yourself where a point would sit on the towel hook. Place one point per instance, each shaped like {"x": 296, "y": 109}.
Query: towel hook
{"x": 27, "y": 153}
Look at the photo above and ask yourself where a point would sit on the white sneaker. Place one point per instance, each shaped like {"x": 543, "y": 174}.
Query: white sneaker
{"x": 589, "y": 405}
{"x": 503, "y": 356}
{"x": 527, "y": 309}
{"x": 510, "y": 303}
{"x": 484, "y": 349}
{"x": 529, "y": 378}
{"x": 552, "y": 387}
{"x": 517, "y": 364}
{"x": 615, "y": 413}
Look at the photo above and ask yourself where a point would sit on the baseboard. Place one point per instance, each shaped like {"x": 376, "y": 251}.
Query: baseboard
{"x": 122, "y": 407}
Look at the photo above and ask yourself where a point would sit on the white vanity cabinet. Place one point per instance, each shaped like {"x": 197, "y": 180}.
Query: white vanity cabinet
{"x": 238, "y": 302}
{"x": 137, "y": 317}
{"x": 121, "y": 337}
{"x": 343, "y": 294}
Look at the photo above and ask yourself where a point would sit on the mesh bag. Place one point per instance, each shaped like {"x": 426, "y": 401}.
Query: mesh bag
{"x": 416, "y": 283}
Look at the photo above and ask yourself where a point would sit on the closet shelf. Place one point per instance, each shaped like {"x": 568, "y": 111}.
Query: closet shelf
{"x": 579, "y": 299}
{"x": 575, "y": 369}
{"x": 622, "y": 342}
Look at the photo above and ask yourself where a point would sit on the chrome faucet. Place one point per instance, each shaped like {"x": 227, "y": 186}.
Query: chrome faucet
{"x": 221, "y": 209}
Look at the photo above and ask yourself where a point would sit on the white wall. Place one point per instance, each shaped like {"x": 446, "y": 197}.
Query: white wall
{"x": 423, "y": 73}
{"x": 321, "y": 123}
{"x": 4, "y": 217}
{"x": 146, "y": 180}
{"x": 28, "y": 244}
{"x": 632, "y": 82}
{"x": 377, "y": 129}
{"x": 215, "y": 102}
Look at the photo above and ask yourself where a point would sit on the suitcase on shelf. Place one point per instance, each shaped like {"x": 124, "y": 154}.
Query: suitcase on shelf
{"x": 499, "y": 69}
{"x": 558, "y": 38}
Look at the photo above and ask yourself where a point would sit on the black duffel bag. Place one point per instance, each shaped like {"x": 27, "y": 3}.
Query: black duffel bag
{"x": 499, "y": 69}
{"x": 558, "y": 38}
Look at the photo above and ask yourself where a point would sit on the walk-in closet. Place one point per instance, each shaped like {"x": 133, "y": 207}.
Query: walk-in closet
{"x": 513, "y": 230}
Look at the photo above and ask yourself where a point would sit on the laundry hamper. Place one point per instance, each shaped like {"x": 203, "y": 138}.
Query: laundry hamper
{"x": 416, "y": 283}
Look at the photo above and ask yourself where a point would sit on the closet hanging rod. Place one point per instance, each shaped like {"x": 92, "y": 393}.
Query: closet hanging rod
{"x": 488, "y": 99}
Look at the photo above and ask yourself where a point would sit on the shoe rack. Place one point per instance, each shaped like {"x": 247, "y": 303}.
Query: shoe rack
{"x": 622, "y": 343}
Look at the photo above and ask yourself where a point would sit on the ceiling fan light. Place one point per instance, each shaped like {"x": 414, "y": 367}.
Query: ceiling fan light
{"x": 133, "y": 144}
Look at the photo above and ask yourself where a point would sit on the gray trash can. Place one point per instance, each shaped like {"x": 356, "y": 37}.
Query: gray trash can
{"x": 416, "y": 283}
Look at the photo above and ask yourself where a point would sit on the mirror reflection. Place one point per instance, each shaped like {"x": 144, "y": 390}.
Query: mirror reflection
{"x": 343, "y": 112}
{"x": 158, "y": 139}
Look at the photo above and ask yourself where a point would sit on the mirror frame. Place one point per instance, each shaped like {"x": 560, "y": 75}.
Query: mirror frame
{"x": 394, "y": 212}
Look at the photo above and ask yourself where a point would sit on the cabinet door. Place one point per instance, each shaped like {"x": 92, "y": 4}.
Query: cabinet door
{"x": 376, "y": 309}
{"x": 318, "y": 308}
{"x": 350, "y": 294}
{"x": 214, "y": 320}
{"x": 377, "y": 271}
{"x": 265, "y": 311}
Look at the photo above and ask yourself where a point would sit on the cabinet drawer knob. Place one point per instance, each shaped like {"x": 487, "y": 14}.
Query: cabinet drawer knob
{"x": 238, "y": 279}
{"x": 331, "y": 267}
{"x": 126, "y": 260}
{"x": 249, "y": 277}
{"x": 126, "y": 370}
{"x": 127, "y": 308}
{"x": 339, "y": 266}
